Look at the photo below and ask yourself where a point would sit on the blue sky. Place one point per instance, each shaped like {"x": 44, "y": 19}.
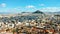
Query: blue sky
{"x": 29, "y": 5}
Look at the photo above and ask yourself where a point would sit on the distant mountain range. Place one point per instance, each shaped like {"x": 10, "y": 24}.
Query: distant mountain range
{"x": 52, "y": 12}
{"x": 37, "y": 11}
{"x": 4, "y": 12}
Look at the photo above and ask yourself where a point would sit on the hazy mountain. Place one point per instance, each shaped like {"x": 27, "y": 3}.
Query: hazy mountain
{"x": 37, "y": 11}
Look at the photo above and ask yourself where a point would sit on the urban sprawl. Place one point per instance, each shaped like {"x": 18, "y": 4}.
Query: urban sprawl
{"x": 30, "y": 23}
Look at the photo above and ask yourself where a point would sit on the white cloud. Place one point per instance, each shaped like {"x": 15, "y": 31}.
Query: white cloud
{"x": 42, "y": 4}
{"x": 3, "y": 5}
{"x": 15, "y": 10}
{"x": 50, "y": 9}
{"x": 30, "y": 6}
